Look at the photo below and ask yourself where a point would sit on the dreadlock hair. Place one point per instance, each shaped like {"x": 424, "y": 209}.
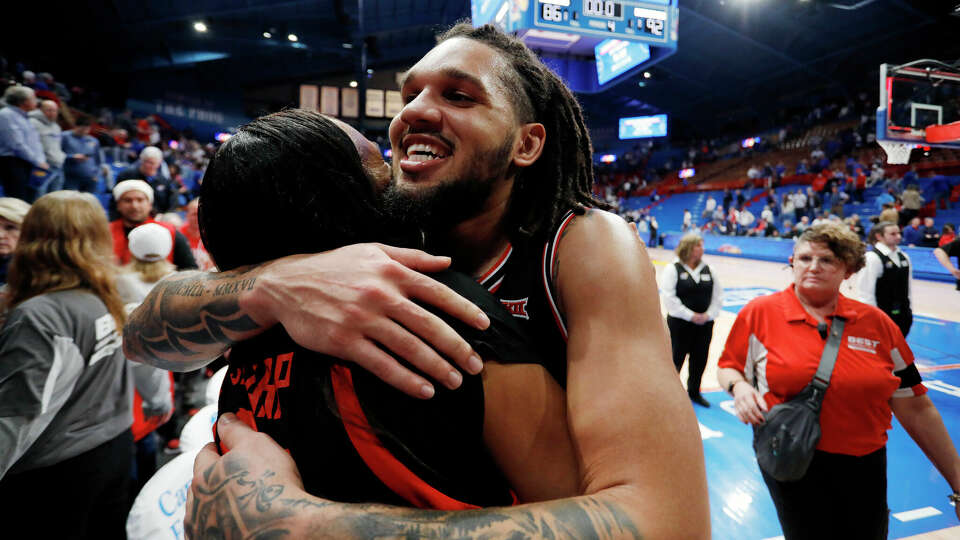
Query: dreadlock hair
{"x": 562, "y": 179}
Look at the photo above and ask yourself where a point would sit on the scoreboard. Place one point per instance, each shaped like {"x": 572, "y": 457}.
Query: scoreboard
{"x": 569, "y": 35}
{"x": 608, "y": 18}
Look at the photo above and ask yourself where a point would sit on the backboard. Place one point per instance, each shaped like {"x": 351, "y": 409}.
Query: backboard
{"x": 919, "y": 105}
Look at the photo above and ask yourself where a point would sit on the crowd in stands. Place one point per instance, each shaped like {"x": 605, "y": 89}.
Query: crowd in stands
{"x": 57, "y": 143}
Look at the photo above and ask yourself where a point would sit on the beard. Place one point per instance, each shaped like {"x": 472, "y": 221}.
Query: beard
{"x": 451, "y": 201}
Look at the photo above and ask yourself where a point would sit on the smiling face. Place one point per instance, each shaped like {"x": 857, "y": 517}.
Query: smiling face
{"x": 457, "y": 138}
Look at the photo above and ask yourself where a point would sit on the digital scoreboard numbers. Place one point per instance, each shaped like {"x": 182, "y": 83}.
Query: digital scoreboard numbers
{"x": 610, "y": 18}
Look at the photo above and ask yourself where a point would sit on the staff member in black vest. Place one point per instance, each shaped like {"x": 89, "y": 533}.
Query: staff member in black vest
{"x": 692, "y": 297}
{"x": 886, "y": 279}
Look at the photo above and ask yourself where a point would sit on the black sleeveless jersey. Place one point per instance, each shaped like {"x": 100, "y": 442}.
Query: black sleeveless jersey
{"x": 356, "y": 439}
{"x": 523, "y": 280}
{"x": 893, "y": 286}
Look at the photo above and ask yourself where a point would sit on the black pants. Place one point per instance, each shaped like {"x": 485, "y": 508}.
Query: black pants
{"x": 15, "y": 177}
{"x": 903, "y": 319}
{"x": 693, "y": 339}
{"x": 85, "y": 496}
{"x": 841, "y": 496}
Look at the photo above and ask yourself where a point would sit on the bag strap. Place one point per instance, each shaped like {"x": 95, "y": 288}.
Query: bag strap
{"x": 821, "y": 380}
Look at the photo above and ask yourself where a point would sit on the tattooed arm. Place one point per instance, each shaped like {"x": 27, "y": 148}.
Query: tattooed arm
{"x": 254, "y": 491}
{"x": 346, "y": 303}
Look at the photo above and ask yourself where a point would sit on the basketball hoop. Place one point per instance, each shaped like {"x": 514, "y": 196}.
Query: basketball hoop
{"x": 898, "y": 153}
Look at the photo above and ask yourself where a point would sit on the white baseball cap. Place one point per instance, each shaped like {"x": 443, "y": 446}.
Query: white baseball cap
{"x": 150, "y": 242}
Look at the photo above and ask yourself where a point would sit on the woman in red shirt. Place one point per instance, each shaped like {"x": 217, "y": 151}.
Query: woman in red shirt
{"x": 772, "y": 353}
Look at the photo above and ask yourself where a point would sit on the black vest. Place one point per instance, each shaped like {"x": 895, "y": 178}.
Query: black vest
{"x": 695, "y": 296}
{"x": 893, "y": 285}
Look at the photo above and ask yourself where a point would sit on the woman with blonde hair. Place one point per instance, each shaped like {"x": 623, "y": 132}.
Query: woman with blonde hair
{"x": 692, "y": 298}
{"x": 65, "y": 389}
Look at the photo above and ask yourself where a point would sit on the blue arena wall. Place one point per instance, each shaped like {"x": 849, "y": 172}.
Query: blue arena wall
{"x": 925, "y": 265}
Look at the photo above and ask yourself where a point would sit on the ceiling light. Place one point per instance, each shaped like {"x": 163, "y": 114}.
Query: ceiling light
{"x": 353, "y": 84}
{"x": 200, "y": 26}
{"x": 647, "y": 74}
{"x": 347, "y": 45}
{"x": 267, "y": 35}
{"x": 292, "y": 37}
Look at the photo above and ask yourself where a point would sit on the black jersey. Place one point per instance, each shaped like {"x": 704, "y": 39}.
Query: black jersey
{"x": 356, "y": 439}
{"x": 523, "y": 280}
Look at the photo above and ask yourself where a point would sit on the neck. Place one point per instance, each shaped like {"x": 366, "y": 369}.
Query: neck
{"x": 818, "y": 305}
{"x": 476, "y": 243}
{"x": 127, "y": 224}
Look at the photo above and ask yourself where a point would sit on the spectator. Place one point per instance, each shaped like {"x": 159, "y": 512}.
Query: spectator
{"x": 786, "y": 206}
{"x": 753, "y": 172}
{"x": 57, "y": 88}
{"x": 803, "y": 167}
{"x": 165, "y": 193}
{"x": 687, "y": 220}
{"x": 654, "y": 236}
{"x": 803, "y": 224}
{"x": 76, "y": 432}
{"x": 709, "y": 207}
{"x": 767, "y": 214}
{"x": 889, "y": 213}
{"x": 912, "y": 235}
{"x": 20, "y": 147}
{"x": 912, "y": 202}
{"x": 947, "y": 235}
{"x": 12, "y": 212}
{"x": 738, "y": 195}
{"x": 727, "y": 199}
{"x": 134, "y": 204}
{"x": 745, "y": 218}
{"x": 855, "y": 225}
{"x": 153, "y": 403}
{"x": 780, "y": 170}
{"x": 799, "y": 204}
{"x": 45, "y": 122}
{"x": 191, "y": 231}
{"x": 929, "y": 234}
{"x": 83, "y": 162}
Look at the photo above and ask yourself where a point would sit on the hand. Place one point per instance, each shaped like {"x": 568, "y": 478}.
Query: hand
{"x": 955, "y": 272}
{"x": 45, "y": 166}
{"x": 252, "y": 488}
{"x": 80, "y": 157}
{"x": 700, "y": 318}
{"x": 159, "y": 419}
{"x": 748, "y": 403}
{"x": 347, "y": 301}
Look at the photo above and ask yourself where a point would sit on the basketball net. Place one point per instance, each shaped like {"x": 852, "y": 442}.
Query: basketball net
{"x": 898, "y": 153}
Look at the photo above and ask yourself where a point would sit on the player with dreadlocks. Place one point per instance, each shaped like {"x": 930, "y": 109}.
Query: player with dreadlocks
{"x": 491, "y": 159}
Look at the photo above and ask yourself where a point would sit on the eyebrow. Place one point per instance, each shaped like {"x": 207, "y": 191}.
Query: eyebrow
{"x": 451, "y": 73}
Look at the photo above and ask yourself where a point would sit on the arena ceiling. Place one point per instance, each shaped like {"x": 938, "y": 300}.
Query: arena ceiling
{"x": 740, "y": 63}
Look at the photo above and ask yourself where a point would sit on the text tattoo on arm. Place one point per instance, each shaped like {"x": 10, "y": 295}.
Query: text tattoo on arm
{"x": 161, "y": 329}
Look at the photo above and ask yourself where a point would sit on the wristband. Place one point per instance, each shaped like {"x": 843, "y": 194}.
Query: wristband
{"x": 954, "y": 497}
{"x": 732, "y": 384}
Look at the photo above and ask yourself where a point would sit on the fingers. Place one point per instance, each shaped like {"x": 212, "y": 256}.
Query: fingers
{"x": 370, "y": 357}
{"x": 401, "y": 342}
{"x": 441, "y": 337}
{"x": 232, "y": 431}
{"x": 416, "y": 259}
{"x": 442, "y": 297}
{"x": 206, "y": 458}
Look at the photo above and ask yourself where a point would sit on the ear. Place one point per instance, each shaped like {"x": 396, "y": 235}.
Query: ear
{"x": 529, "y": 146}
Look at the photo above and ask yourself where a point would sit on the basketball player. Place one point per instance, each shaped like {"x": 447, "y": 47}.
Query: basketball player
{"x": 493, "y": 160}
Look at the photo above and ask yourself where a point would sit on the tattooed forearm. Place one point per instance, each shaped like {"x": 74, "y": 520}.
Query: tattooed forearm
{"x": 189, "y": 319}
{"x": 240, "y": 507}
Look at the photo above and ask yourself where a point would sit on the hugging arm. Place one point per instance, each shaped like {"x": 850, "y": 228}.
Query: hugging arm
{"x": 346, "y": 303}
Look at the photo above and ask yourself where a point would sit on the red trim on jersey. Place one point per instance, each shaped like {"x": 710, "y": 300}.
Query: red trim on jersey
{"x": 551, "y": 249}
{"x": 498, "y": 265}
{"x": 394, "y": 474}
{"x": 493, "y": 288}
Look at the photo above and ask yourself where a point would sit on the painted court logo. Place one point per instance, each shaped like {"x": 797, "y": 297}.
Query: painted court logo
{"x": 862, "y": 344}
{"x": 517, "y": 308}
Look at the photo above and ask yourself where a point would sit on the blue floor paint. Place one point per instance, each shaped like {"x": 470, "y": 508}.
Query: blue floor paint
{"x": 740, "y": 506}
